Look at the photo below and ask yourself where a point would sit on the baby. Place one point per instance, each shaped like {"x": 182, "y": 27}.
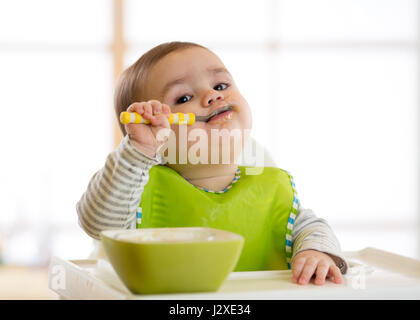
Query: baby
{"x": 139, "y": 188}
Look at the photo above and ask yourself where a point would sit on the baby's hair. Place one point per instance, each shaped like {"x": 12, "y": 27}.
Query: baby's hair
{"x": 131, "y": 83}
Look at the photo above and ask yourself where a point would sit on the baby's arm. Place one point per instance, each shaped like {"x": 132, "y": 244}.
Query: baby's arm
{"x": 114, "y": 192}
{"x": 316, "y": 249}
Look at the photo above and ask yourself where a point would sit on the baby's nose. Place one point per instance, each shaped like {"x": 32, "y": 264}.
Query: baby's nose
{"x": 211, "y": 97}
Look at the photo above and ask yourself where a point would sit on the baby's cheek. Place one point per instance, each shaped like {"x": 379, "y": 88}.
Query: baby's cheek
{"x": 246, "y": 114}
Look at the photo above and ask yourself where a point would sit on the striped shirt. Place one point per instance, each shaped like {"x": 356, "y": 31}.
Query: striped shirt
{"x": 114, "y": 192}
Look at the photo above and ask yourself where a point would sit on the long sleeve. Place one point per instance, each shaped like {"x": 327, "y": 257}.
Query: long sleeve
{"x": 114, "y": 192}
{"x": 313, "y": 233}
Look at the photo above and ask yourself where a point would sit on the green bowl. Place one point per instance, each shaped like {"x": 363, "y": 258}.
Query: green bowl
{"x": 169, "y": 260}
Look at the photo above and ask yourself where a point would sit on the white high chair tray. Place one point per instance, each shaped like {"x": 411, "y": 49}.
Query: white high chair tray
{"x": 372, "y": 274}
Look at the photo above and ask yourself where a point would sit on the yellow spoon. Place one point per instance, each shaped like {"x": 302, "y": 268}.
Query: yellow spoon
{"x": 175, "y": 118}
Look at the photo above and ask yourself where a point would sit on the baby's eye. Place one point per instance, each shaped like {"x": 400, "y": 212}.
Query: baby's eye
{"x": 221, "y": 86}
{"x": 184, "y": 99}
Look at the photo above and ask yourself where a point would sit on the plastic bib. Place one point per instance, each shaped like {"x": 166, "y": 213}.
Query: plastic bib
{"x": 262, "y": 208}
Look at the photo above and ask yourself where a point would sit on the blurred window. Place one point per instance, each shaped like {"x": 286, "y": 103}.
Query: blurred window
{"x": 56, "y": 101}
{"x": 333, "y": 87}
{"x": 332, "y": 84}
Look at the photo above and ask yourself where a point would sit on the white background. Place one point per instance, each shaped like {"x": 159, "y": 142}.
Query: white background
{"x": 333, "y": 86}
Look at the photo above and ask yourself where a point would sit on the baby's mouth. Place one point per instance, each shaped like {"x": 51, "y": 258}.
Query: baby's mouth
{"x": 222, "y": 113}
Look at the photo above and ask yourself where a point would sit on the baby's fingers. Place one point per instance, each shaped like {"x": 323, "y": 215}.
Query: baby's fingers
{"x": 161, "y": 113}
{"x": 321, "y": 272}
{"x": 297, "y": 268}
{"x": 308, "y": 271}
{"x": 156, "y": 107}
{"x": 336, "y": 273}
{"x": 137, "y": 107}
{"x": 148, "y": 111}
{"x": 166, "y": 110}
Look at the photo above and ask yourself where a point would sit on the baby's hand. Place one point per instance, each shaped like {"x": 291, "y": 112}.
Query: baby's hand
{"x": 144, "y": 136}
{"x": 311, "y": 262}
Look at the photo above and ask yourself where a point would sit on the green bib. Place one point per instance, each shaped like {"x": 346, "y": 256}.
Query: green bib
{"x": 262, "y": 208}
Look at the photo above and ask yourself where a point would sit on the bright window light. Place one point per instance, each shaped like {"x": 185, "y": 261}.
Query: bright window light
{"x": 333, "y": 86}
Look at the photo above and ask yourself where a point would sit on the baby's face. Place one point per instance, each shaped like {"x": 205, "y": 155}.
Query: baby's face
{"x": 195, "y": 80}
